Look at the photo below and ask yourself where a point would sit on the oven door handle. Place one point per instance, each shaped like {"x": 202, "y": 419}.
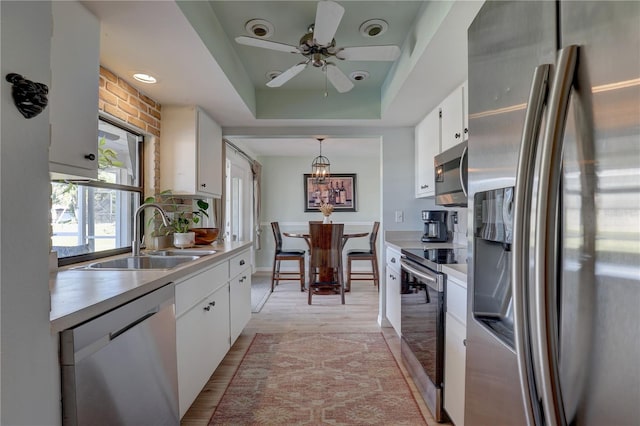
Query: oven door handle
{"x": 430, "y": 278}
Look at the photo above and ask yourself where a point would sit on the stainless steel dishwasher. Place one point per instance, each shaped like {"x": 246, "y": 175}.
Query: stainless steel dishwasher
{"x": 120, "y": 368}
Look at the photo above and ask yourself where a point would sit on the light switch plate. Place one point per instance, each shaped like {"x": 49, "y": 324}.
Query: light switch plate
{"x": 399, "y": 216}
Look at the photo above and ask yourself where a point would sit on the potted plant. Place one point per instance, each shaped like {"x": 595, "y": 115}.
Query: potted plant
{"x": 180, "y": 227}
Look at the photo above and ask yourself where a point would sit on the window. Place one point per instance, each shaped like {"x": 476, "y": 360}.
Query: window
{"x": 95, "y": 218}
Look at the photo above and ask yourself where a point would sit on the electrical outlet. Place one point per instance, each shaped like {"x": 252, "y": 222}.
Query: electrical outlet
{"x": 399, "y": 216}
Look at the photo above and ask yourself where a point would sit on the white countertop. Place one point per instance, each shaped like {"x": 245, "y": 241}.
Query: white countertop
{"x": 456, "y": 270}
{"x": 78, "y": 295}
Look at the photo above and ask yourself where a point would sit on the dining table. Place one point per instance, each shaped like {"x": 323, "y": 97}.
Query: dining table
{"x": 325, "y": 274}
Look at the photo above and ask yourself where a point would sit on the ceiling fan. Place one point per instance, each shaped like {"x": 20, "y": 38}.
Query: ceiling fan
{"x": 318, "y": 46}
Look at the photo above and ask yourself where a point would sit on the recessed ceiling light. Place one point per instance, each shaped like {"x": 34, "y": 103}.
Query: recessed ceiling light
{"x": 273, "y": 74}
{"x": 259, "y": 28}
{"x": 373, "y": 27}
{"x": 359, "y": 75}
{"x": 145, "y": 78}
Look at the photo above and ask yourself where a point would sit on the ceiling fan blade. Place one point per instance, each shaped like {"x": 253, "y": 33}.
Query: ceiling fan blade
{"x": 369, "y": 53}
{"x": 328, "y": 17}
{"x": 339, "y": 80}
{"x": 287, "y": 75}
{"x": 265, "y": 44}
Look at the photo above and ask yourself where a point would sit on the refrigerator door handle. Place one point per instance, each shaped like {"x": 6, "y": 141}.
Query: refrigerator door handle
{"x": 521, "y": 225}
{"x": 546, "y": 232}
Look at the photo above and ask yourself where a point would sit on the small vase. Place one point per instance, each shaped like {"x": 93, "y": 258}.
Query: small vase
{"x": 326, "y": 220}
{"x": 184, "y": 239}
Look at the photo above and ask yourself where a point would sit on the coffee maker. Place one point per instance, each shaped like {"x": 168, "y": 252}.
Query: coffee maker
{"x": 435, "y": 226}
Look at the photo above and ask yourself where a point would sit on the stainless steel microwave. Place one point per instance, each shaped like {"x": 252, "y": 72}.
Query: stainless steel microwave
{"x": 451, "y": 176}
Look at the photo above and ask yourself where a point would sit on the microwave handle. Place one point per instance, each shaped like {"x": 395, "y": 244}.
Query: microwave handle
{"x": 460, "y": 171}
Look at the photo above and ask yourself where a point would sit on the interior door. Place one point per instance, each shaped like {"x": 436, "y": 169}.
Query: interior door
{"x": 238, "y": 204}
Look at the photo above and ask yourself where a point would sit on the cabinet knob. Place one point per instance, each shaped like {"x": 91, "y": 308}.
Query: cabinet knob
{"x": 424, "y": 186}
{"x": 458, "y": 135}
{"x": 90, "y": 157}
{"x": 464, "y": 342}
{"x": 207, "y": 308}
{"x": 466, "y": 130}
{"x": 241, "y": 262}
{"x": 212, "y": 303}
{"x": 393, "y": 260}
{"x": 204, "y": 185}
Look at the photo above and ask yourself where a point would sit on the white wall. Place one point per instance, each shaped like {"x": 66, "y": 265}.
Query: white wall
{"x": 283, "y": 200}
{"x": 30, "y": 390}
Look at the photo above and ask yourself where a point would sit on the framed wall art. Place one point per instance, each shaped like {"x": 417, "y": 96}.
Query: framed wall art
{"x": 338, "y": 190}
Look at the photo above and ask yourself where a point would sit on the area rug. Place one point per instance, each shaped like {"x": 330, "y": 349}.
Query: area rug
{"x": 318, "y": 379}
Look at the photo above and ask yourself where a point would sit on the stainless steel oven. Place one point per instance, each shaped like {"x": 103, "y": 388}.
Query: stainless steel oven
{"x": 422, "y": 322}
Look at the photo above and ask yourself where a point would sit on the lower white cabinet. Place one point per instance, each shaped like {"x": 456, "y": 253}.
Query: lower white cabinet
{"x": 455, "y": 350}
{"x": 203, "y": 340}
{"x": 393, "y": 288}
{"x": 212, "y": 309}
{"x": 240, "y": 297}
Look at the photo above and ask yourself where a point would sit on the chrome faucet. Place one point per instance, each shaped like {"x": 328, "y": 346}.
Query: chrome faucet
{"x": 135, "y": 244}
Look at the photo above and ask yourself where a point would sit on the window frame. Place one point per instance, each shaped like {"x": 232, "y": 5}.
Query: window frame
{"x": 139, "y": 190}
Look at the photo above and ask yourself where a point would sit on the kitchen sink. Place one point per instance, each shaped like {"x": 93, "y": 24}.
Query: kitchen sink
{"x": 142, "y": 262}
{"x": 182, "y": 252}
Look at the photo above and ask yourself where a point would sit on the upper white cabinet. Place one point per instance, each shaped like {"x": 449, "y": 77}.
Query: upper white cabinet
{"x": 427, "y": 143}
{"x": 453, "y": 118}
{"x": 191, "y": 160}
{"x": 73, "y": 95}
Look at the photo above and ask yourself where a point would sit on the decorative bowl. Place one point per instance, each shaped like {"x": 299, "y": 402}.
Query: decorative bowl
{"x": 205, "y": 235}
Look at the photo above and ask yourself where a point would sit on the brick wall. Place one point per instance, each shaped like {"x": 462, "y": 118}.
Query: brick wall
{"x": 122, "y": 101}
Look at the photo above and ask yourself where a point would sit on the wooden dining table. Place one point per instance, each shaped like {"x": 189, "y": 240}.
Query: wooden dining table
{"x": 325, "y": 274}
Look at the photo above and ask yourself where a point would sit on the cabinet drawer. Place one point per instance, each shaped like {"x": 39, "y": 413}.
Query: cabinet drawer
{"x": 393, "y": 259}
{"x": 457, "y": 301}
{"x": 239, "y": 263}
{"x": 193, "y": 289}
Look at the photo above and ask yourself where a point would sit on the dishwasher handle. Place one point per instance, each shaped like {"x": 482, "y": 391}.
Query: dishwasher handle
{"x": 129, "y": 326}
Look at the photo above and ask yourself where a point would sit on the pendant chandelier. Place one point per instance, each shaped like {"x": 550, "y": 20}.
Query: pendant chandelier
{"x": 320, "y": 167}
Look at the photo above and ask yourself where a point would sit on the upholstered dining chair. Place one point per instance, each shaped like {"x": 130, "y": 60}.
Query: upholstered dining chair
{"x": 370, "y": 255}
{"x": 285, "y": 255}
{"x": 325, "y": 259}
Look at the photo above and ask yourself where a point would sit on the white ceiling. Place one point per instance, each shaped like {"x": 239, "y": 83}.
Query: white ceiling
{"x": 156, "y": 37}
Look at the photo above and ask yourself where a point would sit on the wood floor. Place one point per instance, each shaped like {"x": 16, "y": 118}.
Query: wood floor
{"x": 287, "y": 311}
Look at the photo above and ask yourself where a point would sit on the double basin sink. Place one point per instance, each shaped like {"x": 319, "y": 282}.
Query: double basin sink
{"x": 154, "y": 260}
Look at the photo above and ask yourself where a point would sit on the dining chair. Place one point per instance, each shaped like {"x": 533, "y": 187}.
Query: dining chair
{"x": 370, "y": 255}
{"x": 285, "y": 255}
{"x": 325, "y": 259}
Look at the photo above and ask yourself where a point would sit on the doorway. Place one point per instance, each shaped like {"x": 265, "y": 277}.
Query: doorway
{"x": 238, "y": 203}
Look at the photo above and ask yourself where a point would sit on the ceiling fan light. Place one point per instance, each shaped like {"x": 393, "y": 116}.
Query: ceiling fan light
{"x": 259, "y": 28}
{"x": 373, "y": 28}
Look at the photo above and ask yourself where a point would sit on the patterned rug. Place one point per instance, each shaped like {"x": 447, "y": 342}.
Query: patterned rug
{"x": 318, "y": 379}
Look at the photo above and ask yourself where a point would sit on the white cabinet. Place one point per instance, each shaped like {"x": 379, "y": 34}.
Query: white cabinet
{"x": 393, "y": 288}
{"x": 452, "y": 119}
{"x": 73, "y": 95}
{"x": 427, "y": 146}
{"x": 191, "y": 152}
{"x": 239, "y": 293}
{"x": 202, "y": 330}
{"x": 455, "y": 351}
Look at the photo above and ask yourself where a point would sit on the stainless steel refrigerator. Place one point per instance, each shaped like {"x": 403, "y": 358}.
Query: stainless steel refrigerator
{"x": 553, "y": 333}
